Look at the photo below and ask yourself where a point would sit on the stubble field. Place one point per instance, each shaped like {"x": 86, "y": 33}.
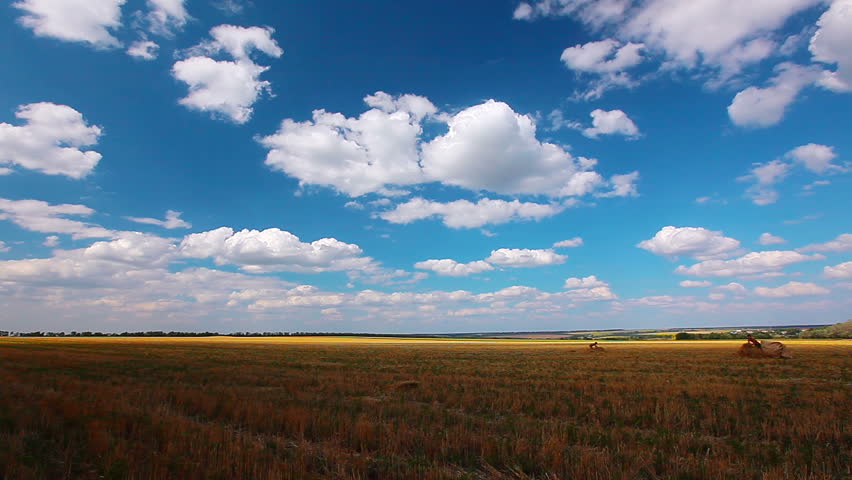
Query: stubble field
{"x": 330, "y": 408}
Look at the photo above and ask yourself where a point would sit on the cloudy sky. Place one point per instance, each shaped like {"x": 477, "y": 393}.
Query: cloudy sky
{"x": 444, "y": 166}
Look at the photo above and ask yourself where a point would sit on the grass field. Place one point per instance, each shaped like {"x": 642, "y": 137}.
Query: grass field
{"x": 373, "y": 408}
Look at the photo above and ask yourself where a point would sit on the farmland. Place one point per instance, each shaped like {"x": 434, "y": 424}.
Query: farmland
{"x": 354, "y": 408}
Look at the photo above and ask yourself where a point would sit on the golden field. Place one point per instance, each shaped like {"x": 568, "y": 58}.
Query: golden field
{"x": 391, "y": 408}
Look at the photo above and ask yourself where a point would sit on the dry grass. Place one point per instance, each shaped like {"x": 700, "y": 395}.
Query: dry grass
{"x": 321, "y": 408}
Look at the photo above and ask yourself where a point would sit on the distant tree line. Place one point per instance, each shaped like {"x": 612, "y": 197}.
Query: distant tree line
{"x": 159, "y": 333}
{"x": 839, "y": 330}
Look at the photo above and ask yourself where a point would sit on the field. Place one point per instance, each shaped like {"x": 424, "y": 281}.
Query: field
{"x": 349, "y": 408}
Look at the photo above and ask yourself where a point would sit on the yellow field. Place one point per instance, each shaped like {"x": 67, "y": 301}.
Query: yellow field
{"x": 309, "y": 340}
{"x": 392, "y": 408}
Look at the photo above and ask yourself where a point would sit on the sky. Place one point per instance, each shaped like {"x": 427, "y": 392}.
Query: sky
{"x": 405, "y": 167}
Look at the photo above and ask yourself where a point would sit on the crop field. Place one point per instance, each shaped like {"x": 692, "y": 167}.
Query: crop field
{"x": 354, "y": 408}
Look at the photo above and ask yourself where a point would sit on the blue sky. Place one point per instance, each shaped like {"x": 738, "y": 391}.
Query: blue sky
{"x": 392, "y": 167}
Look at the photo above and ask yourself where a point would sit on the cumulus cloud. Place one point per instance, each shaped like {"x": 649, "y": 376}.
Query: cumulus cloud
{"x": 487, "y": 147}
{"x": 490, "y": 147}
{"x": 172, "y": 220}
{"x": 749, "y": 264}
{"x": 87, "y": 21}
{"x": 695, "y": 283}
{"x": 791, "y": 289}
{"x": 144, "y": 49}
{"x": 39, "y": 216}
{"x": 767, "y": 238}
{"x": 453, "y": 268}
{"x": 758, "y": 107}
{"x": 841, "y": 270}
{"x": 524, "y": 257}
{"x": 613, "y": 122}
{"x": 227, "y": 88}
{"x": 586, "y": 289}
{"x": 466, "y": 214}
{"x": 166, "y": 16}
{"x": 830, "y": 45}
{"x": 622, "y": 186}
{"x": 50, "y": 140}
{"x": 130, "y": 257}
{"x": 354, "y": 155}
{"x": 51, "y": 241}
{"x": 709, "y": 31}
{"x": 604, "y": 56}
{"x": 273, "y": 250}
{"x": 733, "y": 287}
{"x": 586, "y": 282}
{"x": 696, "y": 242}
{"x": 765, "y": 176}
{"x": 605, "y": 61}
{"x": 570, "y": 243}
{"x": 716, "y": 38}
{"x": 815, "y": 157}
{"x": 843, "y": 243}
{"x": 3, "y": 247}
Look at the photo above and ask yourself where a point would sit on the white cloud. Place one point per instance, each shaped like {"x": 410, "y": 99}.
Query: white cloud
{"x": 524, "y": 11}
{"x": 613, "y": 122}
{"x": 418, "y": 107}
{"x": 51, "y": 241}
{"x": 3, "y": 247}
{"x": 815, "y": 157}
{"x": 166, "y": 16}
{"x": 524, "y": 257}
{"x": 717, "y": 38}
{"x": 791, "y": 289}
{"x": 88, "y": 21}
{"x": 708, "y": 31}
{"x": 273, "y": 250}
{"x": 172, "y": 220}
{"x": 144, "y": 49}
{"x": 590, "y": 294}
{"x": 830, "y": 44}
{"x": 453, "y": 268}
{"x": 750, "y": 264}
{"x": 605, "y": 56}
{"x": 843, "y": 243}
{"x": 733, "y": 287}
{"x": 695, "y": 242}
{"x": 716, "y": 296}
{"x": 767, "y": 238}
{"x": 466, "y": 214}
{"x": 354, "y": 155}
{"x": 817, "y": 183}
{"x": 50, "y": 140}
{"x": 230, "y": 7}
{"x": 605, "y": 61}
{"x": 227, "y": 88}
{"x": 622, "y": 186}
{"x": 763, "y": 107}
{"x": 39, "y": 216}
{"x": 131, "y": 257}
{"x": 490, "y": 147}
{"x": 487, "y": 147}
{"x": 841, "y": 270}
{"x": 586, "y": 282}
{"x": 570, "y": 243}
{"x": 224, "y": 88}
{"x": 695, "y": 283}
{"x": 240, "y": 42}
{"x": 765, "y": 175}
